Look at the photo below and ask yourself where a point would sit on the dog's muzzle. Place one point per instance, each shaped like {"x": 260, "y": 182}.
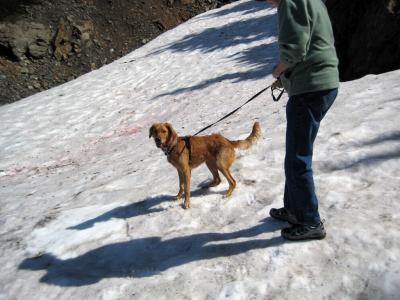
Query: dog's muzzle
{"x": 158, "y": 142}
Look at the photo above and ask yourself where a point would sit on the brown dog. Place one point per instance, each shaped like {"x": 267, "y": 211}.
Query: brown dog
{"x": 186, "y": 153}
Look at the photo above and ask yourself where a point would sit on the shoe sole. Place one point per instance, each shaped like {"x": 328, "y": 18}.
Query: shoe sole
{"x": 304, "y": 237}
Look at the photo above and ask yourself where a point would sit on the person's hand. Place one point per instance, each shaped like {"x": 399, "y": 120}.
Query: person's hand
{"x": 278, "y": 70}
{"x": 277, "y": 84}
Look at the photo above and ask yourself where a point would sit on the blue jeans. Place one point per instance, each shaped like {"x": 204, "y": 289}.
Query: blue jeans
{"x": 304, "y": 114}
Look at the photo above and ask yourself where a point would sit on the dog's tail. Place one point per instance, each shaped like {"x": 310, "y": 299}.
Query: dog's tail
{"x": 249, "y": 141}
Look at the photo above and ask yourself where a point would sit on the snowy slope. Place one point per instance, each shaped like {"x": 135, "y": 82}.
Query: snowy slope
{"x": 85, "y": 196}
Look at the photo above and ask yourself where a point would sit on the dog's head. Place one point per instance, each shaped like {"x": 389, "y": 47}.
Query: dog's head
{"x": 164, "y": 135}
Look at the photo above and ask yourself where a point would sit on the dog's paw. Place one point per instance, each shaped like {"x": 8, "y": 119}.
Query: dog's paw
{"x": 177, "y": 197}
{"x": 227, "y": 195}
{"x": 186, "y": 205}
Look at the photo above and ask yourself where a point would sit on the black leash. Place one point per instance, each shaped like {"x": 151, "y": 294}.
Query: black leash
{"x": 251, "y": 99}
{"x": 281, "y": 91}
{"x": 233, "y": 111}
{"x": 273, "y": 87}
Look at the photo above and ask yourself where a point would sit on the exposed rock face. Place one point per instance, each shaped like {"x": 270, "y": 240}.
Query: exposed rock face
{"x": 63, "y": 41}
{"x": 44, "y": 43}
{"x": 367, "y": 36}
{"x": 71, "y": 36}
{"x": 24, "y": 39}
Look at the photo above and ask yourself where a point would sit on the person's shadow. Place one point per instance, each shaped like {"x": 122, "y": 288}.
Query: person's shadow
{"x": 148, "y": 256}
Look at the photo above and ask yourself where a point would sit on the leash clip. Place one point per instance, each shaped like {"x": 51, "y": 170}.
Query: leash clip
{"x": 277, "y": 86}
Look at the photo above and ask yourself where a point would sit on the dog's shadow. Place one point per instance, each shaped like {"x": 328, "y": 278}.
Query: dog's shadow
{"x": 204, "y": 188}
{"x": 143, "y": 207}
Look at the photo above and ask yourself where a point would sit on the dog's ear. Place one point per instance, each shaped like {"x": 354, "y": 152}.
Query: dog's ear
{"x": 171, "y": 132}
{"x": 151, "y": 131}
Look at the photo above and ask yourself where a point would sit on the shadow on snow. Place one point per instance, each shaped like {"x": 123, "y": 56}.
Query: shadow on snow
{"x": 144, "y": 207}
{"x": 140, "y": 208}
{"x": 149, "y": 256}
{"x": 371, "y": 158}
{"x": 260, "y": 58}
{"x": 244, "y": 8}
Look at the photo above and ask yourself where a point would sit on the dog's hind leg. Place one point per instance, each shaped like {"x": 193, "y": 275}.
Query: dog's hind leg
{"x": 224, "y": 162}
{"x": 231, "y": 180}
{"x": 214, "y": 171}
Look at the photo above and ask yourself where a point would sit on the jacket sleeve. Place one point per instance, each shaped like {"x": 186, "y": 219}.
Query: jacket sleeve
{"x": 294, "y": 31}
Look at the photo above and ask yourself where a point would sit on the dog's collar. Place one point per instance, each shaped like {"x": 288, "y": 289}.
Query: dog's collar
{"x": 186, "y": 139}
{"x": 167, "y": 151}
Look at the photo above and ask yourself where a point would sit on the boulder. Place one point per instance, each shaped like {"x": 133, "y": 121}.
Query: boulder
{"x": 24, "y": 39}
{"x": 82, "y": 29}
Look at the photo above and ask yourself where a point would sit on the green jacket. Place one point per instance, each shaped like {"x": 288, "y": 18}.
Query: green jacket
{"x": 306, "y": 45}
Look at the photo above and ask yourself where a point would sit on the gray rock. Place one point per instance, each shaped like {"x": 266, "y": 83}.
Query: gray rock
{"x": 25, "y": 39}
{"x": 36, "y": 85}
{"x": 38, "y": 50}
{"x": 24, "y": 70}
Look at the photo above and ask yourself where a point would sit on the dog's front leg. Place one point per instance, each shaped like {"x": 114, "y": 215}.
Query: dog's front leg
{"x": 187, "y": 173}
{"x": 181, "y": 185}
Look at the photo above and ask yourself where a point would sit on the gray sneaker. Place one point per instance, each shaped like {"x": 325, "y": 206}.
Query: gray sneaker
{"x": 304, "y": 232}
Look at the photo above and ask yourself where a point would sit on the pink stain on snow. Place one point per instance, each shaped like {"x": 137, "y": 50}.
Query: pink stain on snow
{"x": 64, "y": 162}
{"x": 129, "y": 130}
{"x": 124, "y": 131}
{"x": 46, "y": 167}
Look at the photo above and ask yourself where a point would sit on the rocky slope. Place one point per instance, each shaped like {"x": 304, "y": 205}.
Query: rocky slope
{"x": 44, "y": 43}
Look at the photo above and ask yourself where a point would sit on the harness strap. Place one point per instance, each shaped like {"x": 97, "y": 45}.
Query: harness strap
{"x": 188, "y": 145}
